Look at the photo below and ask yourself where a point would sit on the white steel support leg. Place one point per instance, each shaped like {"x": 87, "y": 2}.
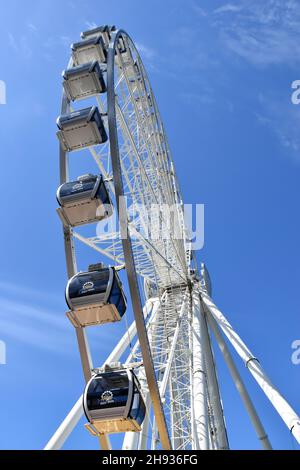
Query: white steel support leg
{"x": 286, "y": 412}
{"x": 199, "y": 386}
{"x": 61, "y": 435}
{"x": 220, "y": 433}
{"x": 194, "y": 435}
{"x": 259, "y": 429}
{"x": 131, "y": 441}
{"x": 212, "y": 443}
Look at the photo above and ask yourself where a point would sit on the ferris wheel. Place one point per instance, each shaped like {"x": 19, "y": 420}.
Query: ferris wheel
{"x": 158, "y": 387}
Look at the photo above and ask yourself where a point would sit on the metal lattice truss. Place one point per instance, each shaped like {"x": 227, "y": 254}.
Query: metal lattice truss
{"x": 154, "y": 205}
{"x": 169, "y": 335}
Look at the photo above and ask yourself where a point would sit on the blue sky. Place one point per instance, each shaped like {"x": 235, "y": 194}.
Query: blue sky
{"x": 222, "y": 75}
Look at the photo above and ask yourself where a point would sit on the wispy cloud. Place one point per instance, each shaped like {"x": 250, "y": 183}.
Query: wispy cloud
{"x": 25, "y": 318}
{"x": 50, "y": 45}
{"x": 262, "y": 33}
{"x": 37, "y": 319}
{"x": 228, "y": 8}
{"x": 32, "y": 28}
{"x": 198, "y": 10}
{"x": 16, "y": 290}
{"x": 12, "y": 42}
{"x": 90, "y": 24}
{"x": 195, "y": 99}
{"x": 283, "y": 119}
{"x": 53, "y": 41}
{"x": 25, "y": 45}
{"x": 145, "y": 51}
{"x": 194, "y": 54}
{"x": 39, "y": 314}
{"x": 34, "y": 336}
{"x": 20, "y": 45}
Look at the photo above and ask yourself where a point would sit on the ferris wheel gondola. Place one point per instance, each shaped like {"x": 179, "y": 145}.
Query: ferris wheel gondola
{"x": 84, "y": 201}
{"x": 95, "y": 297}
{"x": 113, "y": 402}
{"x": 83, "y": 81}
{"x": 89, "y": 49}
{"x": 81, "y": 129}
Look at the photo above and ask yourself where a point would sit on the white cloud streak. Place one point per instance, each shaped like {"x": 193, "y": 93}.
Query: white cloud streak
{"x": 90, "y": 24}
{"x": 27, "y": 318}
{"x": 32, "y": 324}
{"x": 145, "y": 51}
{"x": 20, "y": 45}
{"x": 228, "y": 8}
{"x": 32, "y": 28}
{"x": 263, "y": 33}
{"x": 283, "y": 119}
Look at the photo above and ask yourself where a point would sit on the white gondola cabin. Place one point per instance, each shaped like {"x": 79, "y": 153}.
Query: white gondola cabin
{"x": 105, "y": 32}
{"x": 81, "y": 129}
{"x": 88, "y": 50}
{"x": 95, "y": 297}
{"x": 113, "y": 403}
{"x": 84, "y": 201}
{"x": 83, "y": 81}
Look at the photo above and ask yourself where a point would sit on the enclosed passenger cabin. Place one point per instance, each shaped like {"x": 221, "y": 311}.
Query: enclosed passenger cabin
{"x": 133, "y": 71}
{"x": 105, "y": 32}
{"x": 81, "y": 129}
{"x": 84, "y": 201}
{"x": 83, "y": 81}
{"x": 95, "y": 297}
{"x": 88, "y": 50}
{"x": 112, "y": 402}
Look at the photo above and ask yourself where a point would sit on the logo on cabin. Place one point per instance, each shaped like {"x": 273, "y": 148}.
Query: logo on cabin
{"x": 88, "y": 285}
{"x": 107, "y": 396}
{"x": 77, "y": 186}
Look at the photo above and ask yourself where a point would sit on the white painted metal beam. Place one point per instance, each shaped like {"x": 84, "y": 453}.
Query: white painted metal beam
{"x": 286, "y": 412}
{"x": 199, "y": 386}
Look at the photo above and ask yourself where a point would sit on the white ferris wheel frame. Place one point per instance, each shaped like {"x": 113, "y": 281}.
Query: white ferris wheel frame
{"x": 174, "y": 326}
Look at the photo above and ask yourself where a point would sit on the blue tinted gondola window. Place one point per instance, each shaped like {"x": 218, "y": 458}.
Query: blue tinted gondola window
{"x": 116, "y": 297}
{"x": 76, "y": 187}
{"x": 88, "y": 284}
{"x": 102, "y": 194}
{"x": 121, "y": 305}
{"x": 108, "y": 391}
{"x": 138, "y": 408}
